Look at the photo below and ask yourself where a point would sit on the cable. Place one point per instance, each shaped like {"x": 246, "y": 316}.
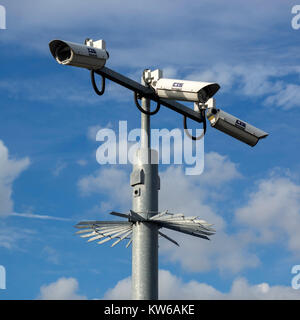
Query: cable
{"x": 202, "y": 112}
{"x": 99, "y": 92}
{"x": 149, "y": 113}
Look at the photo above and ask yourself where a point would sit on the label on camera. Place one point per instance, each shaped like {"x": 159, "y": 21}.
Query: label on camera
{"x": 240, "y": 124}
{"x": 177, "y": 85}
{"x": 92, "y": 52}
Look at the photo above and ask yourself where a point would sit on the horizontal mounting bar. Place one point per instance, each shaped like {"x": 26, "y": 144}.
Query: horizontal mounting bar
{"x": 148, "y": 93}
{"x": 124, "y": 81}
{"x": 91, "y": 224}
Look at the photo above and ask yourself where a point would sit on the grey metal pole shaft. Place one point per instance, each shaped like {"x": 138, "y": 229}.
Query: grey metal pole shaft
{"x": 145, "y": 182}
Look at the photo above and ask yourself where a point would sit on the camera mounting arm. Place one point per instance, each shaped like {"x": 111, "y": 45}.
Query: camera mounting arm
{"x": 148, "y": 93}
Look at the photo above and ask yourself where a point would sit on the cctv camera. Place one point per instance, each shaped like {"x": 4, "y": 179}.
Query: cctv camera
{"x": 235, "y": 127}
{"x": 184, "y": 90}
{"x": 91, "y": 55}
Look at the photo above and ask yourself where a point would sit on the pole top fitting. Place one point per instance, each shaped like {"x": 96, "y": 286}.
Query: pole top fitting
{"x": 150, "y": 76}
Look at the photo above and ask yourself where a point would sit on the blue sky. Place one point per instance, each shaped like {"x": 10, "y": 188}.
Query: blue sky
{"x": 50, "y": 179}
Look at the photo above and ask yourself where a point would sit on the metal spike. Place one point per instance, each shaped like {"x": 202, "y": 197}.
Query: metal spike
{"x": 108, "y": 233}
{"x": 169, "y": 216}
{"x": 89, "y": 234}
{"x": 135, "y": 216}
{"x": 168, "y": 238}
{"x": 129, "y": 243}
{"x": 117, "y": 235}
{"x": 159, "y": 215}
{"x": 107, "y": 230}
{"x": 99, "y": 236}
{"x": 104, "y": 240}
{"x": 109, "y": 237}
{"x": 122, "y": 215}
{"x": 183, "y": 230}
{"x": 83, "y": 231}
{"x": 122, "y": 238}
{"x": 93, "y": 224}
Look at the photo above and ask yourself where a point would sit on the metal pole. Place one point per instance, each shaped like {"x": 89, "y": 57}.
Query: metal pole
{"x": 145, "y": 182}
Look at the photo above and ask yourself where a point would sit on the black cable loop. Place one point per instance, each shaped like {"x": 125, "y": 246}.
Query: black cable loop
{"x": 99, "y": 92}
{"x": 202, "y": 112}
{"x": 149, "y": 113}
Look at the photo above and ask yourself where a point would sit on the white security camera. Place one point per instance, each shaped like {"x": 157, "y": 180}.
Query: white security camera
{"x": 92, "y": 55}
{"x": 234, "y": 127}
{"x": 184, "y": 90}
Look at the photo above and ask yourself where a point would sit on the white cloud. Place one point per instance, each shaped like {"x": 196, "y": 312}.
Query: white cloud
{"x": 218, "y": 170}
{"x": 11, "y": 236}
{"x": 81, "y": 162}
{"x": 189, "y": 195}
{"x": 51, "y": 254}
{"x": 60, "y": 166}
{"x": 225, "y": 253}
{"x": 181, "y": 194}
{"x": 49, "y": 89}
{"x": 172, "y": 287}
{"x": 111, "y": 182}
{"x": 273, "y": 212}
{"x": 287, "y": 98}
{"x": 255, "y": 80}
{"x": 10, "y": 169}
{"x": 38, "y": 216}
{"x": 62, "y": 289}
{"x": 170, "y": 72}
{"x": 122, "y": 290}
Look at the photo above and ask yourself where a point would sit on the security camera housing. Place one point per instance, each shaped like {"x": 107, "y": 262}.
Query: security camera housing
{"x": 91, "y": 56}
{"x": 185, "y": 90}
{"x": 235, "y": 127}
